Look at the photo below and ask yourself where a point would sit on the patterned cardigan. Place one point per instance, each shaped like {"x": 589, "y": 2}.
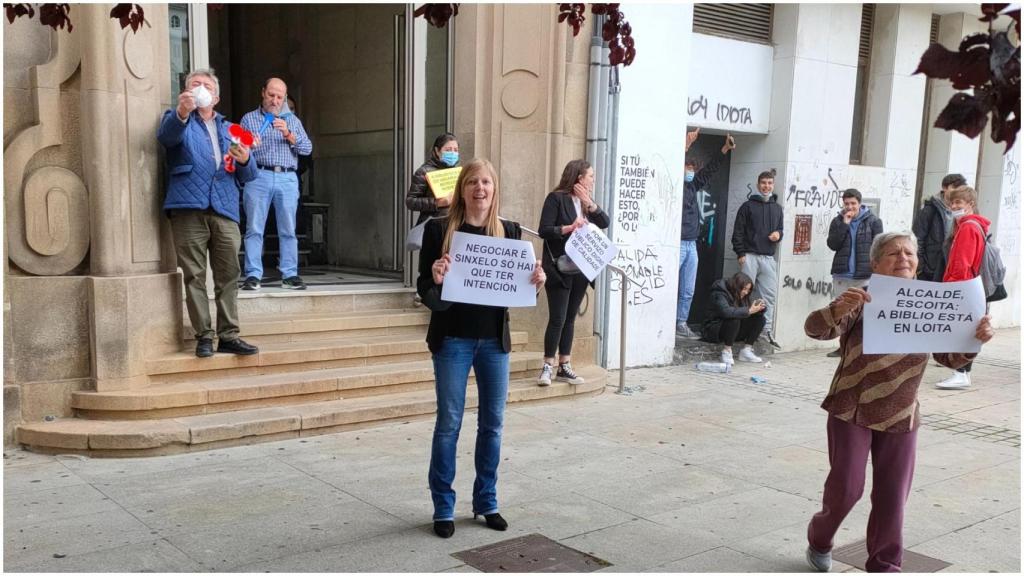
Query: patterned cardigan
{"x": 877, "y": 391}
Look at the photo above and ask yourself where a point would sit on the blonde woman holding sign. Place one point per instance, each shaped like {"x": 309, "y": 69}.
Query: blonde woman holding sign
{"x": 873, "y": 410}
{"x": 568, "y": 207}
{"x": 461, "y": 336}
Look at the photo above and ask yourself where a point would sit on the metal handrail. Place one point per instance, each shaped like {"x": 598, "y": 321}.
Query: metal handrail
{"x": 622, "y": 313}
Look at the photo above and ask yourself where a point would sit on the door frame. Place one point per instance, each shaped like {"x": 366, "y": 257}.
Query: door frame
{"x": 410, "y": 107}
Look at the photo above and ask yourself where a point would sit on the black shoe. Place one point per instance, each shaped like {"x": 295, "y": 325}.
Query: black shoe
{"x": 834, "y": 354}
{"x": 251, "y": 283}
{"x": 769, "y": 339}
{"x": 204, "y": 347}
{"x": 293, "y": 283}
{"x": 237, "y": 346}
{"x": 494, "y": 522}
{"x": 444, "y": 528}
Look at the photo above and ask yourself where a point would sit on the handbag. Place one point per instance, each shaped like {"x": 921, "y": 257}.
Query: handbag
{"x": 565, "y": 265}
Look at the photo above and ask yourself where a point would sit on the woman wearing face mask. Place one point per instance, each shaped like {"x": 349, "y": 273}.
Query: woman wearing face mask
{"x": 419, "y": 198}
{"x": 966, "y": 248}
{"x": 464, "y": 336}
{"x": 568, "y": 207}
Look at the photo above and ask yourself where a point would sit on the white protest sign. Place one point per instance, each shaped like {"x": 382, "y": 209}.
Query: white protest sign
{"x": 590, "y": 250}
{"x": 915, "y": 316}
{"x": 490, "y": 271}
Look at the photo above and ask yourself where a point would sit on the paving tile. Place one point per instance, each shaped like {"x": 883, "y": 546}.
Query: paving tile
{"x": 409, "y": 550}
{"x": 34, "y": 544}
{"x": 725, "y": 559}
{"x": 153, "y": 556}
{"x": 981, "y": 547}
{"x": 562, "y": 516}
{"x": 54, "y": 505}
{"x": 661, "y": 492}
{"x": 640, "y": 545}
{"x": 194, "y": 498}
{"x": 287, "y": 532}
{"x": 739, "y": 516}
{"x": 41, "y": 476}
{"x": 15, "y": 457}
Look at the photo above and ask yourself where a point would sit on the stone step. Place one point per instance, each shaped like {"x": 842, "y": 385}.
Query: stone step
{"x": 279, "y": 357}
{"x": 693, "y": 351}
{"x": 323, "y": 300}
{"x": 266, "y": 328}
{"x": 247, "y": 392}
{"x": 152, "y": 437}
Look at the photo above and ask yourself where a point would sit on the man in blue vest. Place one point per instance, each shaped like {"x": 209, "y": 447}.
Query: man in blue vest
{"x": 280, "y": 139}
{"x": 202, "y": 204}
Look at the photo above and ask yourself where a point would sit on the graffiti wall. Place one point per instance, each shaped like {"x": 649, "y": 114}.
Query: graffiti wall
{"x": 649, "y": 188}
{"x": 815, "y": 193}
{"x": 731, "y": 84}
{"x": 1007, "y": 237}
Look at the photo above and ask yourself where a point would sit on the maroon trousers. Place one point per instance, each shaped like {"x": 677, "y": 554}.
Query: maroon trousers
{"x": 892, "y": 462}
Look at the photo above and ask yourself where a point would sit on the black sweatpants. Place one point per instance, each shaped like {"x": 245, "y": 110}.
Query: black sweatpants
{"x": 563, "y": 306}
{"x": 731, "y": 329}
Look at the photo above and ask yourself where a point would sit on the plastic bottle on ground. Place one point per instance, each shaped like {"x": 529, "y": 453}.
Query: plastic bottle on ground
{"x": 713, "y": 367}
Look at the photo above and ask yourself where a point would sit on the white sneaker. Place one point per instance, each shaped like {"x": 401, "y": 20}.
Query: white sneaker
{"x": 545, "y": 375}
{"x": 820, "y": 561}
{"x": 958, "y": 381}
{"x": 727, "y": 357}
{"x": 747, "y": 355}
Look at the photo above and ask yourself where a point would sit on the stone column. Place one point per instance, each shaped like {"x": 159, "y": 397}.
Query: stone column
{"x": 999, "y": 200}
{"x": 949, "y": 151}
{"x": 895, "y": 95}
{"x": 134, "y": 290}
{"x": 813, "y": 87}
{"x": 520, "y": 101}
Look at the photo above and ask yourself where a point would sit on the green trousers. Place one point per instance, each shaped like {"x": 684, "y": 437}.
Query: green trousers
{"x": 197, "y": 232}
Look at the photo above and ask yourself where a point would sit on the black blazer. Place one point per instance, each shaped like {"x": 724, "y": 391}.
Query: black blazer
{"x": 441, "y": 314}
{"x": 559, "y": 211}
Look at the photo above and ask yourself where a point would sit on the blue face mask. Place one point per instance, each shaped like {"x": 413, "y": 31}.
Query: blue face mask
{"x": 689, "y": 175}
{"x": 450, "y": 158}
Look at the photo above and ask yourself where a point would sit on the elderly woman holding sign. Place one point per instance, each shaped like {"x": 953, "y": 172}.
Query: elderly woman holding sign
{"x": 567, "y": 208}
{"x": 461, "y": 336}
{"x": 873, "y": 409}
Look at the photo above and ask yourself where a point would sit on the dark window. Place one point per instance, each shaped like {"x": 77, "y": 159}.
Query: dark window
{"x": 750, "y": 22}
{"x": 860, "y": 102}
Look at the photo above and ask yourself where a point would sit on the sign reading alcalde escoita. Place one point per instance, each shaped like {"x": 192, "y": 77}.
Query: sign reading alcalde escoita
{"x": 915, "y": 316}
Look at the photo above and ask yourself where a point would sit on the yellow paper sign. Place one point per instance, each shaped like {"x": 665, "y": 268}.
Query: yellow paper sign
{"x": 442, "y": 182}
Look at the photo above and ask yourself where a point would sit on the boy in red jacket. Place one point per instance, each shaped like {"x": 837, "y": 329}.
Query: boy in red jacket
{"x": 964, "y": 260}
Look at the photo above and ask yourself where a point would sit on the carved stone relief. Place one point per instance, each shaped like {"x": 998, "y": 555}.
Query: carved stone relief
{"x": 47, "y": 213}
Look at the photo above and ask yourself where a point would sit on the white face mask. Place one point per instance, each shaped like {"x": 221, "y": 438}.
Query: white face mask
{"x": 958, "y": 213}
{"x": 203, "y": 97}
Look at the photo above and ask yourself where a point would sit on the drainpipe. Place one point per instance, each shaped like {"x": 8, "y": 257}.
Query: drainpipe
{"x": 596, "y": 154}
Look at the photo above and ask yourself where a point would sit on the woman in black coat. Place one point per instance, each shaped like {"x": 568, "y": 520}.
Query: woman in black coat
{"x": 463, "y": 336}
{"x": 568, "y": 207}
{"x": 419, "y": 198}
{"x": 733, "y": 317}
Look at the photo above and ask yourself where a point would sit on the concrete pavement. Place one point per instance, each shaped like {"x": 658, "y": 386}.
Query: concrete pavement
{"x": 691, "y": 472}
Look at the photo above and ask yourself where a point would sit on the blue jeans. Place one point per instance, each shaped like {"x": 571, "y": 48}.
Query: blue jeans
{"x": 451, "y": 371}
{"x": 280, "y": 189}
{"x": 687, "y": 278}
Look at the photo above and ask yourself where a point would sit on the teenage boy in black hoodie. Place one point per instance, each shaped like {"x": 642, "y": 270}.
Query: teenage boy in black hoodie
{"x": 758, "y": 230}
